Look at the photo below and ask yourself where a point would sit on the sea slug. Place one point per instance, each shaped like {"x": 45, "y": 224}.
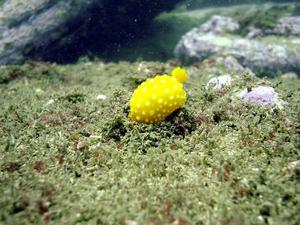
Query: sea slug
{"x": 158, "y": 97}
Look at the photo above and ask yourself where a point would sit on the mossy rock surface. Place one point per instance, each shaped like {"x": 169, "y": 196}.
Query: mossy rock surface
{"x": 68, "y": 157}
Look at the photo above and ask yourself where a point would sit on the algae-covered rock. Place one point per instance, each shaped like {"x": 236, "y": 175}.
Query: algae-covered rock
{"x": 70, "y": 157}
{"x": 268, "y": 56}
{"x": 219, "y": 24}
{"x": 229, "y": 62}
{"x": 289, "y": 76}
{"x": 288, "y": 26}
{"x": 69, "y": 154}
{"x": 257, "y": 55}
{"x": 262, "y": 37}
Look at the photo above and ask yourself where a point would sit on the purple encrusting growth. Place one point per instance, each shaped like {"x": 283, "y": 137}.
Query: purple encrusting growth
{"x": 261, "y": 95}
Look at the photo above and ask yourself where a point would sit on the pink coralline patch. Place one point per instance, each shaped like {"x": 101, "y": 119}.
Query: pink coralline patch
{"x": 265, "y": 96}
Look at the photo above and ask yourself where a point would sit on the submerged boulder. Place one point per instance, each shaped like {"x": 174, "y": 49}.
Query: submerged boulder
{"x": 61, "y": 29}
{"x": 289, "y": 76}
{"x": 288, "y": 26}
{"x": 285, "y": 26}
{"x": 219, "y": 24}
{"x": 33, "y": 24}
{"x": 263, "y": 56}
{"x": 254, "y": 54}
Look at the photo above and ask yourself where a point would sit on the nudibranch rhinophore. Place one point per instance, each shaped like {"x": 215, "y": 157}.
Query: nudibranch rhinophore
{"x": 158, "y": 97}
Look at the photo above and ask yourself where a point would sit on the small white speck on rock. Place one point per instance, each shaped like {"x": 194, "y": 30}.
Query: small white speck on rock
{"x": 219, "y": 82}
{"x": 101, "y": 97}
{"x": 39, "y": 91}
{"x": 131, "y": 222}
{"x": 50, "y": 102}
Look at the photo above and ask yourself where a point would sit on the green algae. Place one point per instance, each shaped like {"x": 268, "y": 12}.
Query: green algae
{"x": 264, "y": 18}
{"x": 70, "y": 158}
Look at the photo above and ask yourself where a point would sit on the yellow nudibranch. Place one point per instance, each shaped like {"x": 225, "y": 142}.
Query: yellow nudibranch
{"x": 158, "y": 97}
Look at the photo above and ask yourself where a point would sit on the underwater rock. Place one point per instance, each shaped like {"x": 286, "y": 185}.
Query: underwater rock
{"x": 289, "y": 76}
{"x": 230, "y": 63}
{"x": 261, "y": 95}
{"x": 288, "y": 26}
{"x": 61, "y": 30}
{"x": 261, "y": 57}
{"x": 285, "y": 26}
{"x": 225, "y": 63}
{"x": 27, "y": 25}
{"x": 254, "y": 32}
{"x": 219, "y": 24}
